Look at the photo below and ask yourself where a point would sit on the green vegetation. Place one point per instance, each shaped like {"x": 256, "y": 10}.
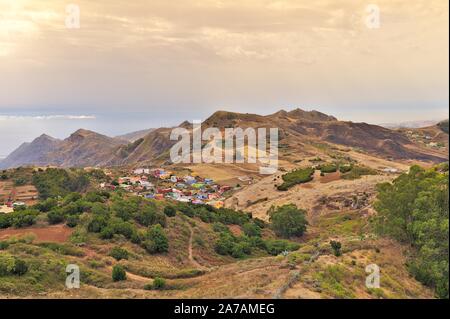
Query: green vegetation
{"x": 414, "y": 210}
{"x": 58, "y": 182}
{"x": 358, "y": 171}
{"x": 298, "y": 176}
{"x": 278, "y": 246}
{"x": 10, "y": 265}
{"x": 328, "y": 168}
{"x": 19, "y": 219}
{"x": 158, "y": 284}
{"x": 119, "y": 253}
{"x": 288, "y": 221}
{"x": 336, "y": 246}
{"x": 118, "y": 273}
{"x": 156, "y": 240}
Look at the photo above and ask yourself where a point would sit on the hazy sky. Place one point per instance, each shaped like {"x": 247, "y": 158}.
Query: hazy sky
{"x": 139, "y": 64}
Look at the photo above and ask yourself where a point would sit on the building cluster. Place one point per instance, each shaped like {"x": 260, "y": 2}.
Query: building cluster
{"x": 161, "y": 184}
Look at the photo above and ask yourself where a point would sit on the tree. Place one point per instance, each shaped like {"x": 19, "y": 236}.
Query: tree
{"x": 414, "y": 209}
{"x": 156, "y": 240}
{"x": 288, "y": 221}
{"x": 118, "y": 273}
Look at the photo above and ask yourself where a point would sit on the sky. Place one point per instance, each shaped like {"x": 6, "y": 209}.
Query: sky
{"x": 132, "y": 65}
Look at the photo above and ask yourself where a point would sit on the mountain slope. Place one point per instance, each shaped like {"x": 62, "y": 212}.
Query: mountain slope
{"x": 85, "y": 148}
{"x": 297, "y": 130}
{"x": 133, "y": 136}
{"x": 34, "y": 153}
{"x": 82, "y": 148}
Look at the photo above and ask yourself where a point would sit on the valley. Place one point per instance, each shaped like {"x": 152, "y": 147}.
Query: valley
{"x": 209, "y": 230}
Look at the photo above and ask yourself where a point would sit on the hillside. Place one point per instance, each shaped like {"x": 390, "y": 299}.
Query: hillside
{"x": 82, "y": 148}
{"x": 133, "y": 136}
{"x": 34, "y": 153}
{"x": 298, "y": 130}
{"x": 209, "y": 253}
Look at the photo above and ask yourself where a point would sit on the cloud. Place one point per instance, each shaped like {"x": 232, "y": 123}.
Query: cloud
{"x": 46, "y": 117}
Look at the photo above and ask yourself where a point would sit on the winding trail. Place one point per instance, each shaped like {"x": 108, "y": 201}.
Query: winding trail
{"x": 190, "y": 251}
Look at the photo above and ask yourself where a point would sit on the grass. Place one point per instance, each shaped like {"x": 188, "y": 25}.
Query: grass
{"x": 332, "y": 282}
{"x": 298, "y": 176}
{"x": 357, "y": 171}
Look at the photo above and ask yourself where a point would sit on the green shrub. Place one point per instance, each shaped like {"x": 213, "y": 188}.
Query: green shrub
{"x": 20, "y": 267}
{"x": 298, "y": 176}
{"x": 4, "y": 245}
{"x": 225, "y": 243}
{"x": 288, "y": 220}
{"x": 358, "y": 171}
{"x": 328, "y": 168}
{"x": 170, "y": 211}
{"x": 119, "y": 253}
{"x": 251, "y": 230}
{"x": 159, "y": 283}
{"x": 277, "y": 246}
{"x": 72, "y": 221}
{"x": 336, "y": 246}
{"x": 118, "y": 273}
{"x": 55, "y": 216}
{"x": 156, "y": 240}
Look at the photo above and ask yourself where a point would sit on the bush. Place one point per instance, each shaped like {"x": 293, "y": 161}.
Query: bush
{"x": 55, "y": 216}
{"x": 156, "y": 240}
{"x": 328, "y": 168}
{"x": 97, "y": 224}
{"x": 240, "y": 250}
{"x": 149, "y": 215}
{"x": 20, "y": 267}
{"x": 170, "y": 211}
{"x": 4, "y": 245}
{"x": 219, "y": 227}
{"x": 118, "y": 273}
{"x": 251, "y": 230}
{"x": 158, "y": 283}
{"x": 277, "y": 246}
{"x": 288, "y": 221}
{"x": 225, "y": 243}
{"x": 336, "y": 246}
{"x": 119, "y": 253}
{"x": 72, "y": 221}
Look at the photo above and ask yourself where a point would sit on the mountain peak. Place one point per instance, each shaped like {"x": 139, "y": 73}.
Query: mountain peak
{"x": 313, "y": 115}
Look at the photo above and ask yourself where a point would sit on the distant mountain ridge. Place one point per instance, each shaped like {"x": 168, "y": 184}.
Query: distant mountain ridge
{"x": 82, "y": 148}
{"x": 297, "y": 128}
{"x": 133, "y": 136}
{"x": 410, "y": 124}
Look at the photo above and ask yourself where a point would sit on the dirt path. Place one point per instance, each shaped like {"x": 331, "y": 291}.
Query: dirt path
{"x": 190, "y": 251}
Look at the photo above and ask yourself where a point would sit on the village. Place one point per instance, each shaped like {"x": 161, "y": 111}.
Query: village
{"x": 162, "y": 184}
